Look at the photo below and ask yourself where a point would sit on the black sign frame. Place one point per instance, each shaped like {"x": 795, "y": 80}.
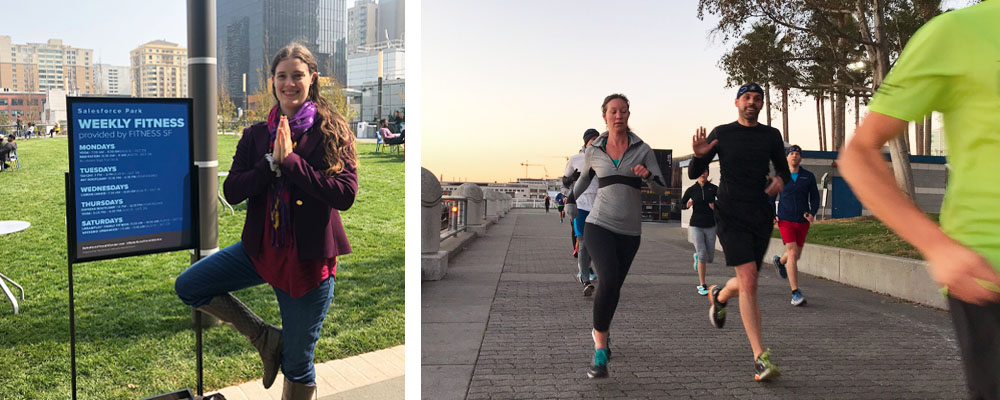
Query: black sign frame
{"x": 193, "y": 239}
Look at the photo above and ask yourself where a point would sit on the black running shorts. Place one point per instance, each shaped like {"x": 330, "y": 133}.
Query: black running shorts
{"x": 744, "y": 230}
{"x": 977, "y": 329}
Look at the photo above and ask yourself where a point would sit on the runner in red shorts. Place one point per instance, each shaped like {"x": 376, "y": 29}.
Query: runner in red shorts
{"x": 797, "y": 205}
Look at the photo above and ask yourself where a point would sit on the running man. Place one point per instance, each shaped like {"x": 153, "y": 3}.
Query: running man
{"x": 560, "y": 205}
{"x": 797, "y": 208}
{"x": 701, "y": 197}
{"x": 743, "y": 217}
{"x": 584, "y": 203}
{"x": 950, "y": 65}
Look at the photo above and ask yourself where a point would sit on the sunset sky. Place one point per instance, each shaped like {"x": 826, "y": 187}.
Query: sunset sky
{"x": 518, "y": 81}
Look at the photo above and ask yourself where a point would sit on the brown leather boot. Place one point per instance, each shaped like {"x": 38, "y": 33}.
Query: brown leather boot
{"x": 297, "y": 391}
{"x": 264, "y": 337}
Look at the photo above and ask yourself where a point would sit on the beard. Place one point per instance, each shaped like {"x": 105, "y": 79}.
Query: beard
{"x": 750, "y": 115}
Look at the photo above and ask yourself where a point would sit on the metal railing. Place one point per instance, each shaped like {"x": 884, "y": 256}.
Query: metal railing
{"x": 529, "y": 203}
{"x": 454, "y": 215}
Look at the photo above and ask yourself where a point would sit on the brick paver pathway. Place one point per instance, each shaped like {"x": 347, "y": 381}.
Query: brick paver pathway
{"x": 846, "y": 343}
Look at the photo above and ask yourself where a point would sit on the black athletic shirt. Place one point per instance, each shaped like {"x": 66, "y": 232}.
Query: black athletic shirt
{"x": 744, "y": 152}
{"x": 702, "y": 215}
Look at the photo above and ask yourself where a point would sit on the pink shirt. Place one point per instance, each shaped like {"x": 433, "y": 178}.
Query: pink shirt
{"x": 386, "y": 134}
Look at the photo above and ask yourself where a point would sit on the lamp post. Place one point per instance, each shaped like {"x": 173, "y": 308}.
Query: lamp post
{"x": 246, "y": 100}
{"x": 379, "y": 119}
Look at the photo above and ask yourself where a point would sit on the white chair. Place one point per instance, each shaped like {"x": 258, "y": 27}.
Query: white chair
{"x": 6, "y": 290}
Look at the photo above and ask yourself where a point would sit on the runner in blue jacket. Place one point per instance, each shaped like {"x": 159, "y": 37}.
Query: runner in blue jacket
{"x": 797, "y": 206}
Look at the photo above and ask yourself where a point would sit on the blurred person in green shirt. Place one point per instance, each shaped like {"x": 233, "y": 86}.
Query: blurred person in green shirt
{"x": 951, "y": 65}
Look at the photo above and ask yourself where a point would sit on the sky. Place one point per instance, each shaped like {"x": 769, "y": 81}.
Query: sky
{"x": 512, "y": 82}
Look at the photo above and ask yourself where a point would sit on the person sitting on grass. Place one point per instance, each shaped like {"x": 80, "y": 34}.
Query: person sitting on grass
{"x": 6, "y": 151}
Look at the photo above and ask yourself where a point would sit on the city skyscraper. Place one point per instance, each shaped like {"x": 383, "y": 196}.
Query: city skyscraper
{"x": 391, "y": 20}
{"x": 362, "y": 22}
{"x": 250, "y": 32}
{"x": 159, "y": 69}
{"x": 35, "y": 67}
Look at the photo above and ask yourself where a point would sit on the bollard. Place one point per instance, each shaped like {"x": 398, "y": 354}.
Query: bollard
{"x": 476, "y": 211}
{"x": 434, "y": 262}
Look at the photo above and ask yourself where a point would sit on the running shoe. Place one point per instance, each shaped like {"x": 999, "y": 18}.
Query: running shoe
{"x": 695, "y": 262}
{"x": 593, "y": 277}
{"x": 797, "y": 298}
{"x": 599, "y": 368}
{"x": 764, "y": 369}
{"x": 717, "y": 311}
{"x": 588, "y": 289}
{"x": 779, "y": 267}
{"x": 703, "y": 290}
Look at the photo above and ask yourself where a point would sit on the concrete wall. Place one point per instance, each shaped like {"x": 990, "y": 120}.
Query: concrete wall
{"x": 900, "y": 277}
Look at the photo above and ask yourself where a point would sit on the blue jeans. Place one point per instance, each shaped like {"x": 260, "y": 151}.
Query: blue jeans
{"x": 301, "y": 318}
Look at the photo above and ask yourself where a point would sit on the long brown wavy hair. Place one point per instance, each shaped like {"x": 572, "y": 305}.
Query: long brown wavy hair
{"x": 337, "y": 136}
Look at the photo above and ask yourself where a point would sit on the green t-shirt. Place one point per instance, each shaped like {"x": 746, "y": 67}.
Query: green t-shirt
{"x": 952, "y": 65}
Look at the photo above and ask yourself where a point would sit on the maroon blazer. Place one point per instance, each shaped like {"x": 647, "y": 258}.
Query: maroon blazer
{"x": 315, "y": 197}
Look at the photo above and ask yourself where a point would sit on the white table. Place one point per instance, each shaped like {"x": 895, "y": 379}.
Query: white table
{"x": 5, "y": 228}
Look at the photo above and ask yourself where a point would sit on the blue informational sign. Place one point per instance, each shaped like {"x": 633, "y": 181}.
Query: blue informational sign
{"x": 131, "y": 186}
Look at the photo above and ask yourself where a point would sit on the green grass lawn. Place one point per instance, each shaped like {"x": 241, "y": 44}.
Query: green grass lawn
{"x": 861, "y": 233}
{"x": 133, "y": 335}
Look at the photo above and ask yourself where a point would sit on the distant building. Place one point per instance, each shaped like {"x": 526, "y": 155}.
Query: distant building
{"x": 522, "y": 189}
{"x": 54, "y": 109}
{"x": 391, "y": 20}
{"x": 362, "y": 67}
{"x": 113, "y": 80}
{"x": 362, "y": 25}
{"x": 29, "y": 105}
{"x": 362, "y": 76}
{"x": 250, "y": 33}
{"x": 159, "y": 69}
{"x": 36, "y": 67}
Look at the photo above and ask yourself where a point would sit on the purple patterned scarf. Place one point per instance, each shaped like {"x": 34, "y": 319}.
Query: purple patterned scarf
{"x": 281, "y": 216}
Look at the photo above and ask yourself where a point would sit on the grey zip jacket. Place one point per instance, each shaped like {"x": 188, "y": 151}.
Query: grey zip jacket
{"x": 618, "y": 206}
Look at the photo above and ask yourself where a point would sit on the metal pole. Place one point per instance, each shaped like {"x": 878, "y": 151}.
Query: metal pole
{"x": 70, "y": 254}
{"x": 202, "y": 86}
{"x": 72, "y": 330}
{"x": 379, "y": 119}
{"x": 198, "y": 349}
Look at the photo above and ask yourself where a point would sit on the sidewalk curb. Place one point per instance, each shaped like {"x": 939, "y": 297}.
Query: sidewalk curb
{"x": 900, "y": 277}
{"x": 334, "y": 377}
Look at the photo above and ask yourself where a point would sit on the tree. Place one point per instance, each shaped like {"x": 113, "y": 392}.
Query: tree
{"x": 227, "y": 110}
{"x": 334, "y": 93}
{"x": 762, "y": 56}
{"x": 261, "y": 102}
{"x": 830, "y": 35}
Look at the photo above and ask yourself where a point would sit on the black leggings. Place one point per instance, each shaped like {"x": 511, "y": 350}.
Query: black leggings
{"x": 612, "y": 256}
{"x": 976, "y": 328}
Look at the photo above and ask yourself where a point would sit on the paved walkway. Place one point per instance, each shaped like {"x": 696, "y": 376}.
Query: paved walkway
{"x": 377, "y": 375}
{"x": 508, "y": 321}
